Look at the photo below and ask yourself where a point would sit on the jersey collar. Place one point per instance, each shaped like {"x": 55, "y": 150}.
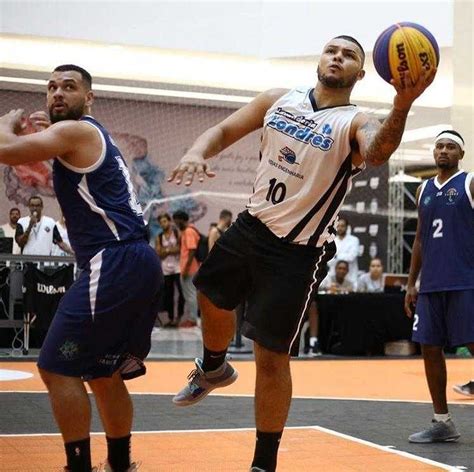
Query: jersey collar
{"x": 440, "y": 186}
{"x": 315, "y": 105}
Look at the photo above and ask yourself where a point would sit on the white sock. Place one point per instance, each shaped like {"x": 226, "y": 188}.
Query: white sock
{"x": 313, "y": 340}
{"x": 443, "y": 417}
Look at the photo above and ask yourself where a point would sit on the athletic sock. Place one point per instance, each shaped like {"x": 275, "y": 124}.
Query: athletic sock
{"x": 212, "y": 360}
{"x": 313, "y": 340}
{"x": 118, "y": 453}
{"x": 442, "y": 417}
{"x": 78, "y": 455}
{"x": 266, "y": 451}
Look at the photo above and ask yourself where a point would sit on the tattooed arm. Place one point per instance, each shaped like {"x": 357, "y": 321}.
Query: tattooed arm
{"x": 376, "y": 142}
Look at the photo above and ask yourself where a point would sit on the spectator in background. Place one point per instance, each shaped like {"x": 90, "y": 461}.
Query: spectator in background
{"x": 167, "y": 246}
{"x": 347, "y": 249}
{"x": 9, "y": 229}
{"x": 188, "y": 265}
{"x": 225, "y": 220}
{"x": 36, "y": 234}
{"x": 372, "y": 281}
{"x": 65, "y": 248}
{"x": 313, "y": 317}
{"x": 339, "y": 282}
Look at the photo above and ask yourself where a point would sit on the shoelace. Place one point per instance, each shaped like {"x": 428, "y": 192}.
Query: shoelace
{"x": 193, "y": 375}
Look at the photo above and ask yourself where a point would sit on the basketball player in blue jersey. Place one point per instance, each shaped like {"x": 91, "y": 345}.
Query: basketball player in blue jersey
{"x": 101, "y": 331}
{"x": 443, "y": 251}
{"x": 274, "y": 256}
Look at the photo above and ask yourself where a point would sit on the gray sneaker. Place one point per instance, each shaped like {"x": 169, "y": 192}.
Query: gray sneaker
{"x": 257, "y": 469}
{"x": 466, "y": 389}
{"x": 439, "y": 431}
{"x": 203, "y": 383}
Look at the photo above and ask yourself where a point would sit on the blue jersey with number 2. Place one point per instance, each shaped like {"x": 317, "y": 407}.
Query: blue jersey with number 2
{"x": 447, "y": 234}
{"x": 99, "y": 203}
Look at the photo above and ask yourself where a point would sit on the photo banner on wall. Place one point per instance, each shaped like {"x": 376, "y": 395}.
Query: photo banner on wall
{"x": 365, "y": 208}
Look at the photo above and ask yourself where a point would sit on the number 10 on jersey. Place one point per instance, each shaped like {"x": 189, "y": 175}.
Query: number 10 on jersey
{"x": 276, "y": 192}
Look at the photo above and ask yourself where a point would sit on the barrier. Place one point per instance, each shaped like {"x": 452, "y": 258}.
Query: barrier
{"x": 16, "y": 266}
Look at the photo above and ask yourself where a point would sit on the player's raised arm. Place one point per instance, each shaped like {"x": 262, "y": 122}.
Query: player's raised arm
{"x": 377, "y": 142}
{"x": 242, "y": 122}
{"x": 61, "y": 139}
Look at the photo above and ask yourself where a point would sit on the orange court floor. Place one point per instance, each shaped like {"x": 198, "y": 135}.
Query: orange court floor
{"x": 361, "y": 387}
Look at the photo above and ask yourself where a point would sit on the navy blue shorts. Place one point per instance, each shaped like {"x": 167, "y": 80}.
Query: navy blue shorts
{"x": 104, "y": 321}
{"x": 444, "y": 318}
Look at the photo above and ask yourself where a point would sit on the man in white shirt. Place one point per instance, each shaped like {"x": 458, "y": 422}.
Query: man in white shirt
{"x": 36, "y": 234}
{"x": 9, "y": 229}
{"x": 347, "y": 247}
{"x": 65, "y": 248}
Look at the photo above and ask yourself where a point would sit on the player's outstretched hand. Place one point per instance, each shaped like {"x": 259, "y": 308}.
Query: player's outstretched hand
{"x": 189, "y": 166}
{"x": 40, "y": 120}
{"x": 408, "y": 92}
{"x": 14, "y": 120}
{"x": 410, "y": 300}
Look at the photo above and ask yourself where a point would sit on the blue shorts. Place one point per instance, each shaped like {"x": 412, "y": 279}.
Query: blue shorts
{"x": 444, "y": 318}
{"x": 104, "y": 321}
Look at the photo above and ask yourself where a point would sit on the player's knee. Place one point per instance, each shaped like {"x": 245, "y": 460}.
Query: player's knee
{"x": 269, "y": 362}
{"x": 47, "y": 377}
{"x": 430, "y": 351}
{"x": 101, "y": 386}
{"x": 104, "y": 385}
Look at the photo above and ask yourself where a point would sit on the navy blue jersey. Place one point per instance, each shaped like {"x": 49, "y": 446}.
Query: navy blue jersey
{"x": 99, "y": 203}
{"x": 447, "y": 234}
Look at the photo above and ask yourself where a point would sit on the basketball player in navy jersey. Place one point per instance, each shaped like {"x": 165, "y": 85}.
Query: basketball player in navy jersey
{"x": 443, "y": 251}
{"x": 274, "y": 256}
{"x": 101, "y": 331}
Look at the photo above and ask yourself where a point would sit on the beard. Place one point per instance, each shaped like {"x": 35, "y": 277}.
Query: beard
{"x": 447, "y": 165}
{"x": 68, "y": 114}
{"x": 333, "y": 82}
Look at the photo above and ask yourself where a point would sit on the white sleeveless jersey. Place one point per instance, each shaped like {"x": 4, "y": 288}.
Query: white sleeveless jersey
{"x": 305, "y": 168}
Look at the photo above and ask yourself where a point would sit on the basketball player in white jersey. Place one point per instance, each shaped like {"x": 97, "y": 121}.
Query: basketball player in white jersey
{"x": 274, "y": 256}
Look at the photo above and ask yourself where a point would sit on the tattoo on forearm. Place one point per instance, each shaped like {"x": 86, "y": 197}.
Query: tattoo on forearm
{"x": 383, "y": 141}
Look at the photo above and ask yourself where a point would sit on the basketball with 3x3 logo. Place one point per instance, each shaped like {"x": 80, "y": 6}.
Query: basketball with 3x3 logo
{"x": 403, "y": 51}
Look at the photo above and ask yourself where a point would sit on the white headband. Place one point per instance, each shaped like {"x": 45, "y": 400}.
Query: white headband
{"x": 452, "y": 137}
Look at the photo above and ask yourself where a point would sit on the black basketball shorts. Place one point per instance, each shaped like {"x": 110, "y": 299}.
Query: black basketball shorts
{"x": 276, "y": 279}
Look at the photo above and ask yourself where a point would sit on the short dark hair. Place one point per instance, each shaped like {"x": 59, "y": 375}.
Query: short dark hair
{"x": 35, "y": 197}
{"x": 86, "y": 77}
{"x": 225, "y": 214}
{"x": 14, "y": 209}
{"x": 164, "y": 215}
{"x": 343, "y": 262}
{"x": 451, "y": 131}
{"x": 180, "y": 215}
{"x": 353, "y": 40}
